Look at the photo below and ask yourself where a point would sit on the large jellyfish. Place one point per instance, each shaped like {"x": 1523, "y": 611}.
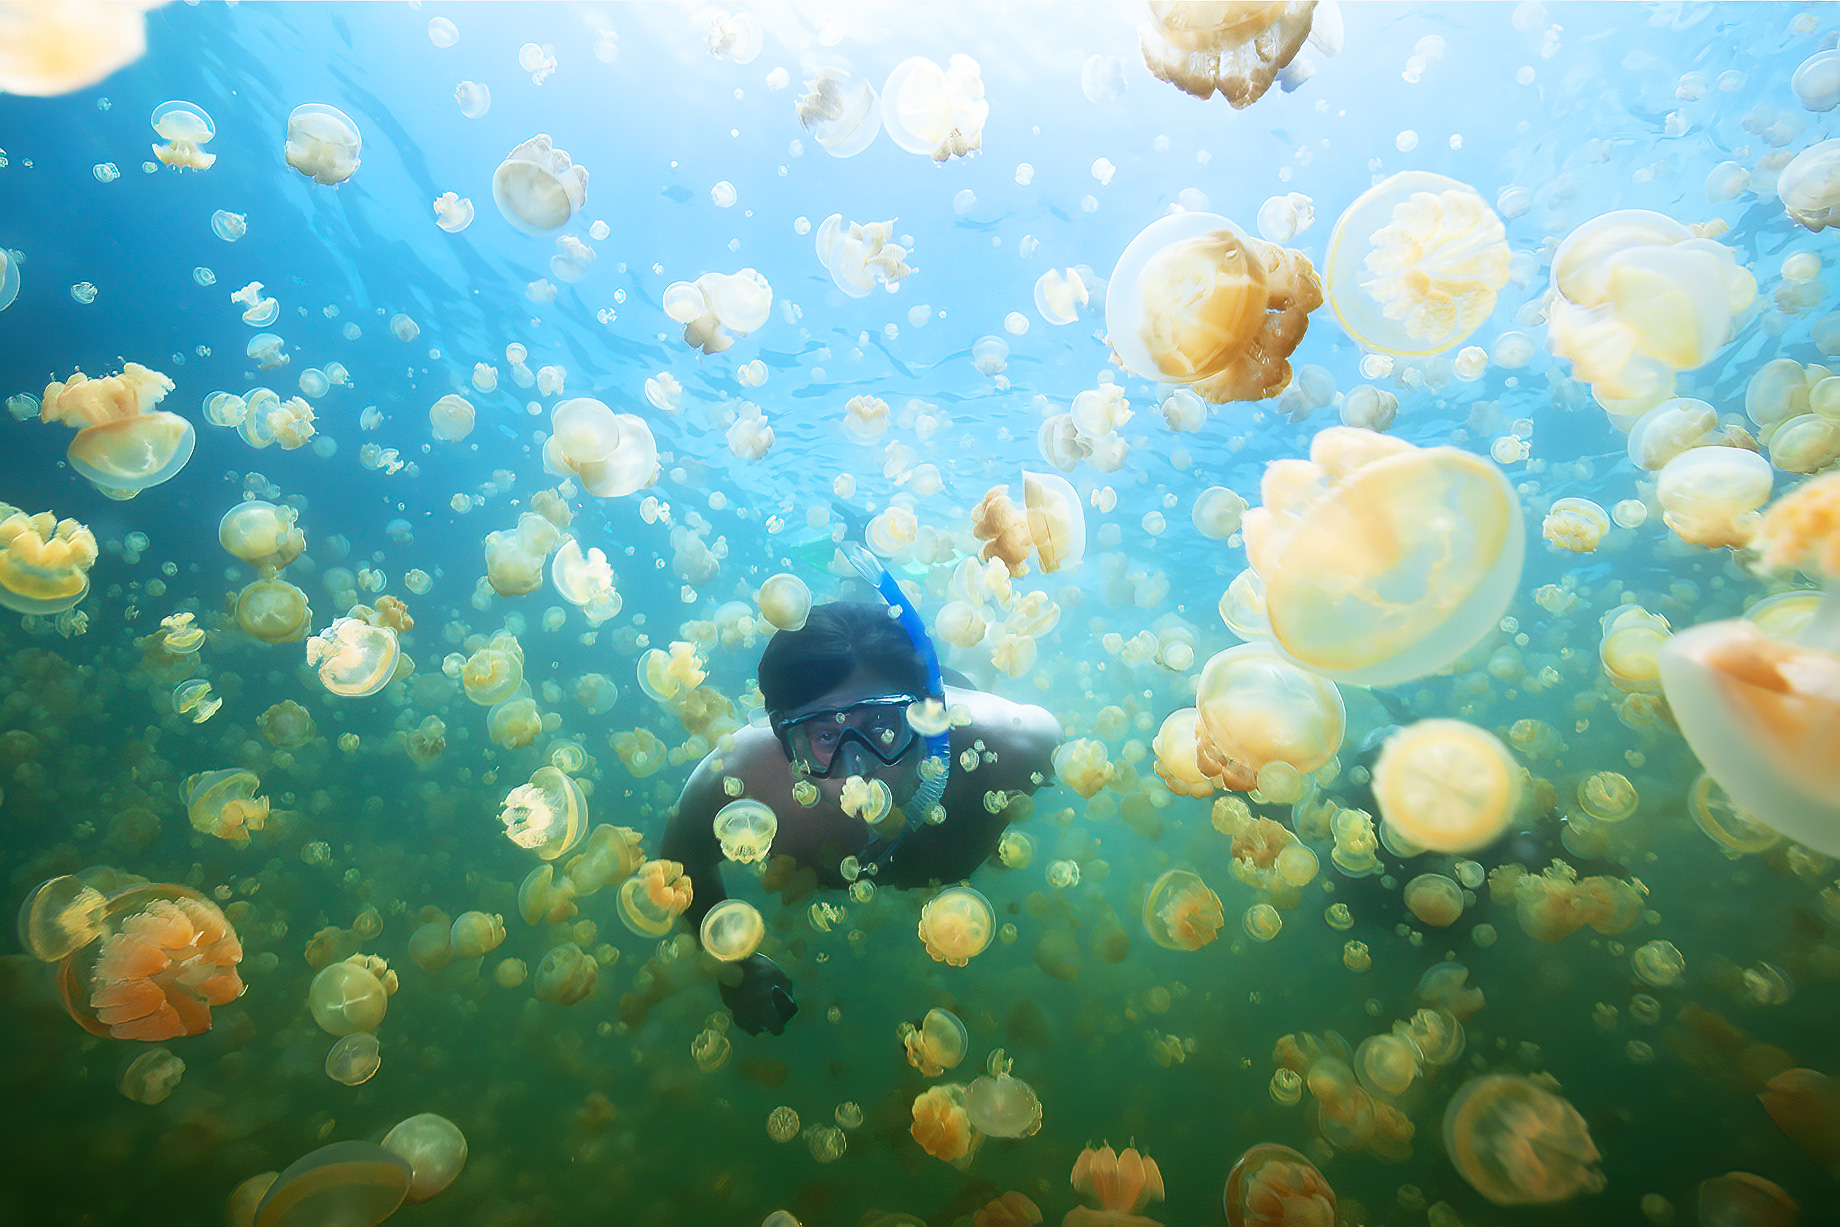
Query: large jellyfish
{"x": 1274, "y": 1186}
{"x": 1257, "y": 709}
{"x": 1237, "y": 49}
{"x": 354, "y": 658}
{"x": 1415, "y": 263}
{"x": 44, "y": 561}
{"x": 718, "y": 307}
{"x": 612, "y": 454}
{"x": 1121, "y": 1183}
{"x": 1381, "y": 561}
{"x": 515, "y": 558}
{"x": 1519, "y": 1144}
{"x": 1761, "y": 709}
{"x": 123, "y": 445}
{"x": 537, "y": 187}
{"x": 51, "y": 49}
{"x": 548, "y": 815}
{"x": 162, "y": 956}
{"x": 1446, "y": 786}
{"x": 1809, "y": 186}
{"x": 353, "y": 1184}
{"x": 1195, "y": 300}
{"x": 433, "y": 1147}
{"x": 956, "y": 925}
{"x": 936, "y": 111}
{"x": 323, "y": 143}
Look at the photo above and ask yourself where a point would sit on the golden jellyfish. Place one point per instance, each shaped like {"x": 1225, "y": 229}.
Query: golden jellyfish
{"x": 1727, "y": 823}
{"x": 1177, "y": 763}
{"x": 184, "y": 126}
{"x": 548, "y": 815}
{"x": 1553, "y": 905}
{"x": 939, "y": 1043}
{"x": 352, "y": 1184}
{"x": 1056, "y": 520}
{"x": 51, "y": 49}
{"x": 450, "y": 419}
{"x": 61, "y": 915}
{"x": 941, "y": 1125}
{"x": 224, "y": 803}
{"x": 286, "y": 725}
{"x": 956, "y": 925}
{"x": 1000, "y": 1106}
{"x": 1218, "y": 513}
{"x": 1760, "y": 709}
{"x": 1181, "y": 913}
{"x": 1195, "y": 300}
{"x": 566, "y": 975}
{"x": 354, "y": 1059}
{"x": 537, "y": 188}
{"x": 654, "y": 897}
{"x": 1674, "y": 426}
{"x": 1446, "y": 786}
{"x": 639, "y": 751}
{"x": 585, "y": 580}
{"x": 785, "y": 601}
{"x": 1386, "y": 1064}
{"x": 717, "y": 307}
{"x": 354, "y": 658}
{"x": 273, "y": 611}
{"x": 431, "y": 945}
{"x": 1122, "y": 1183}
{"x": 608, "y": 857}
{"x": 1519, "y": 1144}
{"x": 1082, "y": 765}
{"x": 1638, "y": 297}
{"x": 514, "y": 723}
{"x": 1809, "y": 186}
{"x": 347, "y": 998}
{"x": 164, "y": 955}
{"x": 1575, "y": 524}
{"x": 1739, "y": 1199}
{"x": 262, "y": 535}
{"x": 1415, "y": 263}
{"x": 270, "y": 421}
{"x": 476, "y": 934}
{"x": 1805, "y": 1104}
{"x": 123, "y": 443}
{"x": 1004, "y": 530}
{"x": 433, "y": 1147}
{"x": 494, "y": 673}
{"x": 732, "y": 930}
{"x": 1257, "y": 708}
{"x": 44, "y": 561}
{"x": 515, "y": 558}
{"x": 1010, "y": 1210}
{"x": 612, "y": 454}
{"x": 1630, "y": 649}
{"x": 939, "y": 112}
{"x": 544, "y": 900}
{"x": 745, "y": 829}
{"x": 152, "y": 1076}
{"x": 323, "y": 143}
{"x": 1435, "y": 899}
{"x": 1709, "y": 495}
{"x": 1383, "y": 562}
{"x": 1237, "y": 49}
{"x": 1274, "y": 1186}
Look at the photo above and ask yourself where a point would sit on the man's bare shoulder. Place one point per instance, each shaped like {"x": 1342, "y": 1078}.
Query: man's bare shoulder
{"x": 1001, "y": 719}
{"x": 752, "y": 754}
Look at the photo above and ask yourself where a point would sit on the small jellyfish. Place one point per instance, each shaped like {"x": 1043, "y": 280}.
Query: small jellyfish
{"x": 61, "y": 915}
{"x": 354, "y": 1059}
{"x": 934, "y": 111}
{"x": 1435, "y": 899}
{"x": 654, "y": 897}
{"x": 785, "y": 601}
{"x": 1446, "y": 786}
{"x": 843, "y": 113}
{"x": 1387, "y": 1064}
{"x": 1218, "y": 512}
{"x": 1658, "y": 964}
{"x": 548, "y": 815}
{"x": 353, "y": 1184}
{"x": 451, "y": 418}
{"x": 717, "y": 307}
{"x": 152, "y": 1076}
{"x": 1238, "y": 50}
{"x": 613, "y": 454}
{"x": 566, "y": 975}
{"x": 1575, "y": 524}
{"x": 353, "y": 657}
{"x": 323, "y": 143}
{"x": 939, "y": 1043}
{"x": 184, "y": 126}
{"x": 44, "y": 561}
{"x": 433, "y": 1147}
{"x": 732, "y": 930}
{"x": 442, "y": 33}
{"x": 123, "y": 444}
{"x": 346, "y": 998}
{"x": 476, "y": 934}
{"x": 745, "y": 829}
{"x": 1122, "y": 1183}
{"x": 1181, "y": 913}
{"x": 223, "y": 803}
{"x": 452, "y": 212}
{"x": 1274, "y": 1186}
{"x": 475, "y": 99}
{"x": 1000, "y": 1106}
{"x": 1257, "y": 708}
{"x": 956, "y": 925}
{"x": 1519, "y": 1144}
{"x": 537, "y": 188}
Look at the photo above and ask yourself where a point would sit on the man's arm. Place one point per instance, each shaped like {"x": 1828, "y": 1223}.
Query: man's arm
{"x": 1024, "y": 738}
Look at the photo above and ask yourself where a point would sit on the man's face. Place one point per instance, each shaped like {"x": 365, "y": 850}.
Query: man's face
{"x": 901, "y": 777}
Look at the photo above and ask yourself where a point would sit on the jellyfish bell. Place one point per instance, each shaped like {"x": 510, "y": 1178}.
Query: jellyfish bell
{"x": 1274, "y": 1186}
{"x": 352, "y": 1184}
{"x": 548, "y": 815}
{"x": 1710, "y": 495}
{"x": 165, "y": 955}
{"x": 732, "y": 930}
{"x": 745, "y": 829}
{"x": 122, "y": 441}
{"x": 44, "y": 561}
{"x": 1235, "y": 49}
{"x": 566, "y": 975}
{"x": 261, "y": 534}
{"x": 1809, "y": 186}
{"x": 346, "y": 999}
{"x": 450, "y": 419}
{"x": 323, "y": 143}
{"x": 537, "y": 188}
{"x": 354, "y": 658}
{"x": 1000, "y": 1106}
{"x": 184, "y": 126}
{"x": 224, "y": 803}
{"x": 1519, "y": 1144}
{"x": 273, "y": 611}
{"x": 842, "y": 112}
{"x": 433, "y": 1147}
{"x": 1446, "y": 786}
{"x": 9, "y": 278}
{"x": 613, "y": 454}
{"x": 939, "y": 112}
{"x": 354, "y": 1059}
{"x": 785, "y": 601}
{"x": 956, "y": 925}
{"x": 1056, "y": 520}
{"x": 61, "y": 915}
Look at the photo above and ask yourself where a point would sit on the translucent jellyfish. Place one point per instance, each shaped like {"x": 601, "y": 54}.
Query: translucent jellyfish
{"x": 9, "y": 290}
{"x": 51, "y": 49}
{"x": 224, "y": 803}
{"x": 732, "y": 930}
{"x": 785, "y": 601}
{"x": 346, "y": 998}
{"x": 612, "y": 454}
{"x": 123, "y": 443}
{"x": 44, "y": 561}
{"x": 1810, "y": 186}
{"x": 1056, "y": 520}
{"x": 1177, "y": 757}
{"x": 1257, "y": 708}
{"x": 269, "y": 420}
{"x": 1000, "y": 1106}
{"x": 323, "y": 143}
{"x": 1059, "y": 295}
{"x": 1739, "y": 1199}
{"x": 548, "y": 815}
{"x": 354, "y": 1059}
{"x": 1519, "y": 1144}
{"x": 610, "y": 856}
{"x": 1237, "y": 49}
{"x": 1637, "y": 297}
{"x": 264, "y": 349}
{"x": 640, "y": 751}
{"x": 164, "y": 955}
{"x": 1551, "y": 906}
{"x": 1446, "y": 786}
{"x": 1083, "y": 765}
{"x": 1575, "y": 524}
{"x": 860, "y": 255}
{"x": 1121, "y": 1183}
{"x": 717, "y": 307}
{"x": 184, "y": 126}
{"x": 537, "y": 188}
{"x": 843, "y": 113}
{"x": 261, "y": 534}
{"x": 1726, "y": 823}
{"x": 451, "y": 418}
{"x": 61, "y": 915}
{"x": 1194, "y": 300}
{"x": 734, "y": 37}
{"x": 1816, "y": 82}
{"x": 515, "y": 559}
{"x": 934, "y": 111}
{"x": 1710, "y": 495}
{"x": 1672, "y": 427}
{"x": 354, "y": 658}
{"x": 433, "y": 1147}
{"x": 273, "y": 611}
{"x": 654, "y": 897}
{"x": 566, "y": 975}
{"x": 1218, "y": 513}
{"x": 476, "y": 934}
{"x": 452, "y": 213}
{"x": 1381, "y": 561}
{"x": 1434, "y": 899}
{"x": 152, "y": 1076}
{"x": 475, "y": 98}
{"x": 353, "y": 1184}
{"x": 956, "y": 925}
{"x": 745, "y": 829}
{"x": 939, "y": 1043}
{"x": 1181, "y": 913}
{"x": 941, "y": 1125}
{"x": 1274, "y": 1186}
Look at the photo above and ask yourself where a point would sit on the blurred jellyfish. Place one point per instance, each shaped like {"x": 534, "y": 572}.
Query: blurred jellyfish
{"x": 61, "y": 915}
{"x": 184, "y": 126}
{"x": 717, "y": 307}
{"x": 475, "y": 934}
{"x": 1519, "y": 1144}
{"x": 1739, "y": 1199}
{"x": 152, "y": 1076}
{"x": 1181, "y": 913}
{"x": 1121, "y": 1183}
{"x": 1256, "y": 708}
{"x": 1274, "y": 1186}
{"x": 934, "y": 111}
{"x": 1446, "y": 786}
{"x": 537, "y": 188}
{"x": 1000, "y": 1106}
{"x": 613, "y": 454}
{"x": 842, "y": 112}
{"x": 1282, "y": 218}
{"x": 1710, "y": 495}
{"x": 1235, "y": 49}
{"x": 123, "y": 444}
{"x": 956, "y": 925}
{"x": 353, "y": 1184}
{"x": 44, "y": 561}
{"x": 433, "y": 1147}
{"x": 262, "y": 535}
{"x": 323, "y": 143}
{"x": 353, "y": 657}
{"x": 1575, "y": 524}
{"x": 46, "y": 50}
{"x": 785, "y": 601}
{"x": 273, "y": 611}
{"x": 1218, "y": 512}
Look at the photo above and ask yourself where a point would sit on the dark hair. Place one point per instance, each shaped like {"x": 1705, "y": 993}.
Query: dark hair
{"x": 798, "y": 666}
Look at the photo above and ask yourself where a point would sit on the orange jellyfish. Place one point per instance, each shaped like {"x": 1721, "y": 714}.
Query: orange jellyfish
{"x": 1274, "y": 1186}
{"x": 1181, "y": 913}
{"x": 123, "y": 445}
{"x": 939, "y": 1043}
{"x": 164, "y": 957}
{"x": 1519, "y": 1144}
{"x": 1258, "y": 708}
{"x": 1122, "y": 1184}
{"x": 354, "y": 658}
{"x": 1010, "y": 1210}
{"x": 1805, "y": 1104}
{"x": 732, "y": 930}
{"x": 1176, "y": 760}
{"x": 956, "y": 925}
{"x": 44, "y": 561}
{"x": 1237, "y": 49}
{"x": 353, "y": 1184}
{"x": 941, "y": 1126}
{"x": 1446, "y": 786}
{"x": 1739, "y": 1199}
{"x": 654, "y": 897}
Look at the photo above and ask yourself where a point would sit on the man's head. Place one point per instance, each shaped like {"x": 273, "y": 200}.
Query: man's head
{"x": 839, "y": 642}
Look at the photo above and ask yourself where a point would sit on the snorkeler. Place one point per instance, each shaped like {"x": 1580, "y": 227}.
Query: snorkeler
{"x": 837, "y": 695}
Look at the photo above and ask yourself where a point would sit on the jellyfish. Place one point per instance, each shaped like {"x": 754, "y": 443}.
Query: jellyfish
{"x": 857, "y": 256}
{"x": 1434, "y": 899}
{"x": 608, "y": 857}
{"x": 566, "y": 975}
{"x": 452, "y": 213}
{"x": 1446, "y": 786}
{"x": 640, "y": 751}
{"x": 956, "y": 925}
{"x": 1805, "y": 444}
{"x": 476, "y": 934}
{"x": 1004, "y": 530}
{"x": 1218, "y": 512}
{"x": 224, "y": 803}
{"x": 586, "y": 581}
{"x": 1237, "y": 49}
{"x": 1636, "y": 298}
{"x": 123, "y": 443}
{"x": 1181, "y": 913}
{"x": 1415, "y": 263}
{"x": 1056, "y": 520}
{"x": 451, "y": 418}
{"x": 262, "y": 535}
{"x": 51, "y": 49}
{"x": 353, "y": 1184}
{"x": 654, "y": 897}
{"x": 1739, "y": 1199}
{"x": 784, "y": 601}
{"x": 717, "y": 307}
{"x": 9, "y": 290}
{"x": 1256, "y": 708}
{"x": 537, "y": 188}
{"x": 1575, "y": 524}
{"x": 494, "y": 673}
{"x": 346, "y": 998}
{"x": 152, "y": 1076}
{"x": 269, "y": 420}
{"x": 1177, "y": 759}
{"x": 843, "y": 112}
{"x": 1519, "y": 1144}
{"x": 1553, "y": 905}
{"x": 1809, "y": 186}
{"x": 1000, "y": 1106}
{"x": 323, "y": 143}
{"x": 939, "y": 1043}
{"x": 745, "y": 829}
{"x": 273, "y": 611}
{"x": 61, "y": 915}
{"x": 184, "y": 126}
{"x": 941, "y": 1125}
{"x": 1386, "y": 1064}
{"x": 433, "y": 1147}
{"x": 1059, "y": 295}
{"x": 548, "y": 815}
{"x": 1805, "y": 1104}
{"x": 1122, "y": 1183}
{"x": 515, "y": 559}
{"x": 44, "y": 561}
{"x": 1194, "y": 300}
{"x": 1274, "y": 1186}
{"x": 934, "y": 111}
{"x": 613, "y": 454}
{"x": 732, "y": 930}
{"x": 1710, "y": 495}
{"x": 163, "y": 956}
{"x": 354, "y": 658}
{"x": 1674, "y": 426}
{"x": 354, "y": 1059}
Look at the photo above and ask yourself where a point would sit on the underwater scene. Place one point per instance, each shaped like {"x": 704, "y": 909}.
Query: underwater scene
{"x": 920, "y": 614}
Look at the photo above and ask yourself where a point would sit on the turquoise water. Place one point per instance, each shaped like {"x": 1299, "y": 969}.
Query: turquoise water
{"x": 597, "y": 1110}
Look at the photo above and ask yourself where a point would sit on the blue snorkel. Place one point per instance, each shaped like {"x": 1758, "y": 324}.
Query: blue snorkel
{"x": 939, "y": 745}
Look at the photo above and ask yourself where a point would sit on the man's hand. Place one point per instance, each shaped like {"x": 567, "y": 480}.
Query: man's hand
{"x": 762, "y": 999}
